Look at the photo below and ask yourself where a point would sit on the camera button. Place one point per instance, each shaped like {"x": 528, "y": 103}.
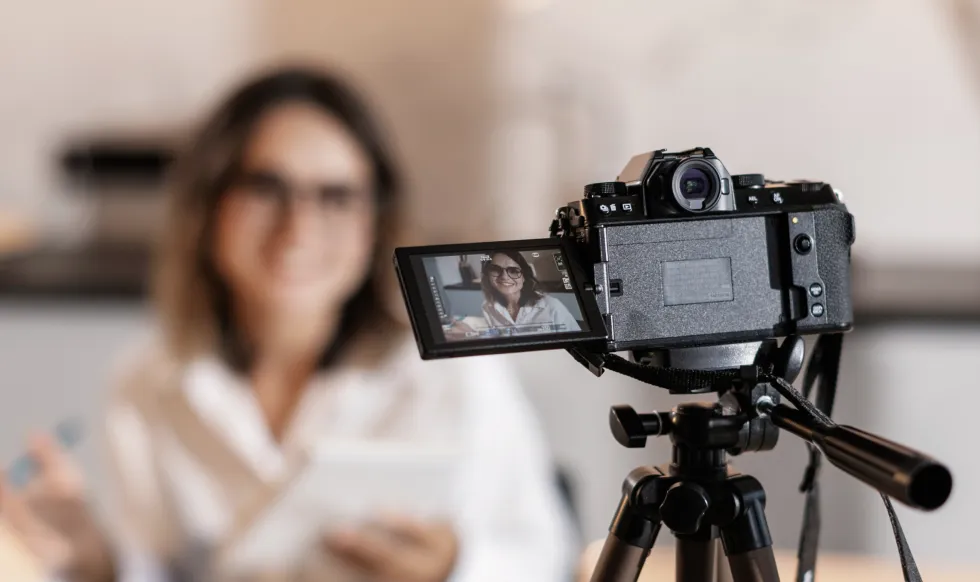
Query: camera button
{"x": 816, "y": 310}
{"x": 803, "y": 244}
{"x": 726, "y": 186}
{"x": 816, "y": 290}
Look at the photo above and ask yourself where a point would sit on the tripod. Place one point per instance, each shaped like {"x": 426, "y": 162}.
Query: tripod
{"x": 697, "y": 496}
{"x": 701, "y": 498}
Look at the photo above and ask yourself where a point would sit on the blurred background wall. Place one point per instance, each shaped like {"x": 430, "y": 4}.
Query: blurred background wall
{"x": 501, "y": 110}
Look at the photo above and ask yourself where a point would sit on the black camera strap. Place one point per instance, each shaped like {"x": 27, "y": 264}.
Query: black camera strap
{"x": 824, "y": 366}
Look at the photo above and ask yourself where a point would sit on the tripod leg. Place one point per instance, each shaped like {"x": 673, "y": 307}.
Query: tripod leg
{"x": 754, "y": 566}
{"x": 746, "y": 539}
{"x": 619, "y": 561}
{"x": 697, "y": 556}
{"x": 723, "y": 571}
{"x": 631, "y": 537}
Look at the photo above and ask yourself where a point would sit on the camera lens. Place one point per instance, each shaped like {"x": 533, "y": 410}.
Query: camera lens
{"x": 695, "y": 187}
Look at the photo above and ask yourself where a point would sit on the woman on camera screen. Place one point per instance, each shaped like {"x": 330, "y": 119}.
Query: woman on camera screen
{"x": 513, "y": 299}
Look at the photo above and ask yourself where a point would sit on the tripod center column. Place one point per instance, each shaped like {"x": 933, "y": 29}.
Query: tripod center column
{"x": 700, "y": 436}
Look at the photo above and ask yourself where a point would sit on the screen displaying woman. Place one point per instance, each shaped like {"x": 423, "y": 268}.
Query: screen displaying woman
{"x": 517, "y": 292}
{"x": 514, "y": 300}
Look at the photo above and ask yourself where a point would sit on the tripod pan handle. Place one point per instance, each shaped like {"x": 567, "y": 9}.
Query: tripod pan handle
{"x": 904, "y": 474}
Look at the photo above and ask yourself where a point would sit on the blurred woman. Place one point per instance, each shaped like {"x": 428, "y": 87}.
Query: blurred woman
{"x": 275, "y": 339}
{"x": 513, "y": 300}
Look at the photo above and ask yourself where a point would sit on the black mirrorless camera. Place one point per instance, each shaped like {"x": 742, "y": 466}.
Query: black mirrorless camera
{"x": 676, "y": 253}
{"x": 696, "y": 273}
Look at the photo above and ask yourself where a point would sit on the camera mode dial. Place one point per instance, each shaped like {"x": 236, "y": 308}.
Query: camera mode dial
{"x": 749, "y": 180}
{"x": 603, "y": 189}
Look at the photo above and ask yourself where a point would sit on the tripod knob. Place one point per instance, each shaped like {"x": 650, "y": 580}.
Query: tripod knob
{"x": 684, "y": 506}
{"x": 631, "y": 428}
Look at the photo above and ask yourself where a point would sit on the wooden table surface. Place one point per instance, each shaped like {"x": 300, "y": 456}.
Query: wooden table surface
{"x": 659, "y": 567}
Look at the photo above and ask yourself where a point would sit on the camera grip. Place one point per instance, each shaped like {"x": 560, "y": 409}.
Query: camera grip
{"x": 834, "y": 228}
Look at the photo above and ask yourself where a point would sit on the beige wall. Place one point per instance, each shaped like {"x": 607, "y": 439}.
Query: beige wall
{"x": 504, "y": 111}
{"x": 873, "y": 96}
{"x": 426, "y": 64}
{"x": 70, "y": 67}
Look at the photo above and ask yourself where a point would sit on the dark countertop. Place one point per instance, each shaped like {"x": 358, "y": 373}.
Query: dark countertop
{"x": 926, "y": 294}
{"x": 97, "y": 273}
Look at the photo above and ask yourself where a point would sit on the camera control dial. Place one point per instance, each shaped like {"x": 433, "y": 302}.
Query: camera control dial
{"x": 749, "y": 180}
{"x": 603, "y": 189}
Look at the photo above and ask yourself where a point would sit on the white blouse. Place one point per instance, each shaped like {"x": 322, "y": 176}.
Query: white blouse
{"x": 180, "y": 487}
{"x": 546, "y": 311}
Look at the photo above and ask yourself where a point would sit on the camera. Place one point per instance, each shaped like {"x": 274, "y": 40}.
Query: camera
{"x": 697, "y": 273}
{"x": 675, "y": 253}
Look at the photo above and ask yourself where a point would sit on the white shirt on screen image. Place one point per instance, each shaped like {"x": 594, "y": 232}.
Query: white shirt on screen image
{"x": 171, "y": 507}
{"x": 545, "y": 311}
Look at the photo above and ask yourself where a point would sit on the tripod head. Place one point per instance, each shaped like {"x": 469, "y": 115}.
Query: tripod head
{"x": 749, "y": 416}
{"x": 699, "y": 496}
{"x": 755, "y": 432}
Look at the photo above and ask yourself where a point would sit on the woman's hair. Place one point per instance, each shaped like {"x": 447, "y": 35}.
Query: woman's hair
{"x": 529, "y": 292}
{"x": 194, "y": 301}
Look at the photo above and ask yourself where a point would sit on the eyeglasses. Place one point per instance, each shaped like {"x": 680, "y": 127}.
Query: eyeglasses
{"x": 269, "y": 188}
{"x": 497, "y": 271}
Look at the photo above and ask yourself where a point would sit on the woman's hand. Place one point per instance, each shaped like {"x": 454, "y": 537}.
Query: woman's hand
{"x": 399, "y": 549}
{"x": 458, "y": 331}
{"x": 53, "y": 519}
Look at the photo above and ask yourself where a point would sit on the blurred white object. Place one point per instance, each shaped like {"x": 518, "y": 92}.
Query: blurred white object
{"x": 186, "y": 475}
{"x": 342, "y": 485}
{"x": 17, "y": 563}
